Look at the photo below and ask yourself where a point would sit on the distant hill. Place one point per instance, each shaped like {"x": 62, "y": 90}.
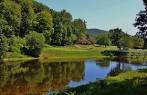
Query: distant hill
{"x": 94, "y": 32}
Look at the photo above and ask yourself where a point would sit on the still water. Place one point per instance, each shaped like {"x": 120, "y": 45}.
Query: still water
{"x": 35, "y": 78}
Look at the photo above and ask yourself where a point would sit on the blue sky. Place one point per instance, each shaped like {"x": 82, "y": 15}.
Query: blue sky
{"x": 101, "y": 14}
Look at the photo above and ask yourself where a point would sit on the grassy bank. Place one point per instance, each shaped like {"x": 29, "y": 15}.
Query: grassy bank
{"x": 74, "y": 52}
{"x": 14, "y": 56}
{"x": 128, "y": 83}
{"x": 63, "y": 53}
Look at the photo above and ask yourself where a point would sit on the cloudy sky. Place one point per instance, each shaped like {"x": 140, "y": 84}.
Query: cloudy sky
{"x": 102, "y": 14}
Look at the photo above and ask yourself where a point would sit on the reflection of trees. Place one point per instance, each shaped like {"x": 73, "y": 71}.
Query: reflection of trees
{"x": 120, "y": 67}
{"x": 132, "y": 60}
{"x": 33, "y": 77}
{"x": 4, "y": 74}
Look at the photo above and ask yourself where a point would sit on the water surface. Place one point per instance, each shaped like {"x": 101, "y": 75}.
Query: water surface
{"x": 35, "y": 78}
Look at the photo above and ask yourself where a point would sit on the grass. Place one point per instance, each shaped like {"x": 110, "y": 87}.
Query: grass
{"x": 128, "y": 76}
{"x": 63, "y": 53}
{"x": 69, "y": 53}
{"x": 128, "y": 83}
{"x": 14, "y": 56}
{"x": 74, "y": 52}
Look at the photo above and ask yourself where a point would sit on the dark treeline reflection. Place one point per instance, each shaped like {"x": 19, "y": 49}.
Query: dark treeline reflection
{"x": 131, "y": 60}
{"x": 127, "y": 64}
{"x": 34, "y": 78}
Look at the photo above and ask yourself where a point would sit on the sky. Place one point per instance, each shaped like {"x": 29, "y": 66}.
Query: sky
{"x": 101, "y": 14}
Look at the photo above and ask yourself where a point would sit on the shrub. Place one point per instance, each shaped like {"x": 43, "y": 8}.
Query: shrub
{"x": 34, "y": 43}
{"x": 16, "y": 43}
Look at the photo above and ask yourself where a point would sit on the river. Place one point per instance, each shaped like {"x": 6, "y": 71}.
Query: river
{"x": 35, "y": 78}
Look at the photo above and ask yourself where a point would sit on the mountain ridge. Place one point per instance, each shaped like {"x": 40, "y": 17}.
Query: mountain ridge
{"x": 94, "y": 31}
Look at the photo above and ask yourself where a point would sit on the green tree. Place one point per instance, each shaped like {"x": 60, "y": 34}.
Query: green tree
{"x": 28, "y": 16}
{"x": 62, "y": 28}
{"x": 127, "y": 42}
{"x": 79, "y": 28}
{"x": 138, "y": 42}
{"x": 116, "y": 36}
{"x": 3, "y": 45}
{"x": 103, "y": 39}
{"x": 10, "y": 17}
{"x": 44, "y": 24}
{"x": 66, "y": 19}
{"x": 58, "y": 29}
{"x": 34, "y": 43}
{"x": 16, "y": 43}
{"x": 39, "y": 7}
{"x": 141, "y": 23}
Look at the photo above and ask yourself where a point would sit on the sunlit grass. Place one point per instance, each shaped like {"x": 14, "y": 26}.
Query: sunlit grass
{"x": 75, "y": 51}
{"x": 128, "y": 75}
{"x": 14, "y": 56}
{"x": 127, "y": 83}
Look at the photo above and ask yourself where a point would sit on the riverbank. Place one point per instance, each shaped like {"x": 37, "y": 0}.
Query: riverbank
{"x": 14, "y": 56}
{"x": 67, "y": 53}
{"x": 127, "y": 83}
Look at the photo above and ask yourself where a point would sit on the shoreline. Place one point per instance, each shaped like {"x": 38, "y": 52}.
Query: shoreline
{"x": 69, "y": 53}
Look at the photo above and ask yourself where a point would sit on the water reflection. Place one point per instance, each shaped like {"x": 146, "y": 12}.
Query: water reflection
{"x": 35, "y": 78}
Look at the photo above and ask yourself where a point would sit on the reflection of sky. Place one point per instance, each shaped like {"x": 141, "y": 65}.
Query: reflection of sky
{"x": 95, "y": 71}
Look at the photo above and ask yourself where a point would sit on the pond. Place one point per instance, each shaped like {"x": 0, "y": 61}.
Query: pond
{"x": 35, "y": 78}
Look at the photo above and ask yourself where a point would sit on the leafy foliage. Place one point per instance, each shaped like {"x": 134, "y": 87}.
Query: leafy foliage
{"x": 15, "y": 44}
{"x": 43, "y": 24}
{"x": 34, "y": 43}
{"x": 103, "y": 39}
{"x": 10, "y": 17}
{"x": 19, "y": 17}
{"x": 141, "y": 23}
{"x": 120, "y": 39}
{"x": 3, "y": 45}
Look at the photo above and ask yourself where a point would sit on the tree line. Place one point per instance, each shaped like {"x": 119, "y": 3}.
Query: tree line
{"x": 26, "y": 25}
{"x": 123, "y": 40}
{"x": 117, "y": 37}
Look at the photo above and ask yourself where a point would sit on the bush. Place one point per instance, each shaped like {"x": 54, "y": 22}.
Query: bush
{"x": 16, "y": 43}
{"x": 34, "y": 43}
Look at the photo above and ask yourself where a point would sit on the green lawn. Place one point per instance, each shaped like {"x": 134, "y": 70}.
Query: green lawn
{"x": 74, "y": 52}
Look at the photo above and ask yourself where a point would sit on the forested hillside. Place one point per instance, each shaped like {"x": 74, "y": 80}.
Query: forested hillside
{"x": 95, "y": 32}
{"x": 26, "y": 25}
